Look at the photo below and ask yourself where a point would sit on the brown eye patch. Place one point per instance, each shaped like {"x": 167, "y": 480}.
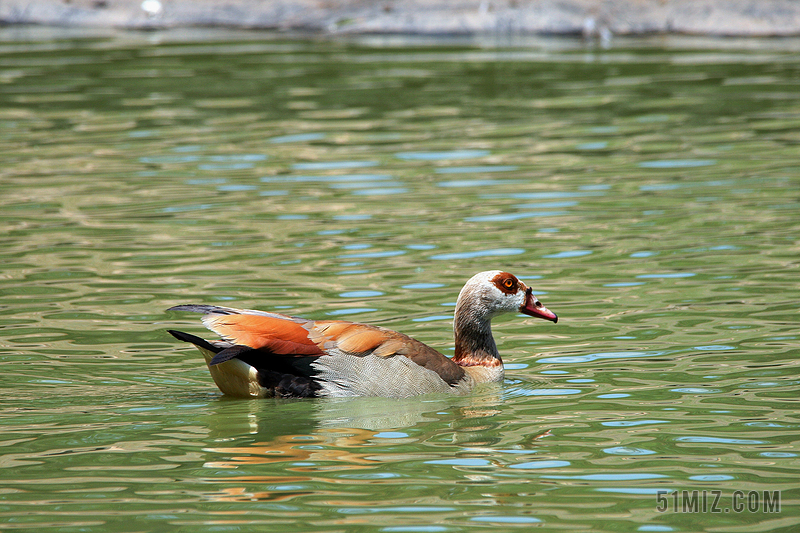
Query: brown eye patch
{"x": 506, "y": 282}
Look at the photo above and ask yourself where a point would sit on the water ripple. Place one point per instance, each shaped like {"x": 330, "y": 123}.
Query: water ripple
{"x": 299, "y": 137}
{"x": 718, "y": 440}
{"x": 621, "y": 476}
{"x": 568, "y": 254}
{"x": 474, "y": 183}
{"x": 338, "y": 178}
{"x": 479, "y": 253}
{"x": 633, "y": 423}
{"x": 627, "y": 450}
{"x": 588, "y": 358}
{"x": 476, "y": 170}
{"x": 678, "y": 163}
{"x": 507, "y": 217}
{"x": 442, "y": 156}
{"x": 506, "y": 519}
{"x": 360, "y": 294}
{"x": 333, "y": 165}
{"x": 536, "y": 465}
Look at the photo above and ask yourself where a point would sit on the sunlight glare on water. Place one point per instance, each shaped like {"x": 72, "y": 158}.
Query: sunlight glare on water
{"x": 649, "y": 193}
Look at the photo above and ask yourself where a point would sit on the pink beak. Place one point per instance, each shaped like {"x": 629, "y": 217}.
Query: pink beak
{"x": 533, "y": 307}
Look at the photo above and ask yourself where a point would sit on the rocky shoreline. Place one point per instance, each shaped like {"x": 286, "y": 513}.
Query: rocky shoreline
{"x": 600, "y": 18}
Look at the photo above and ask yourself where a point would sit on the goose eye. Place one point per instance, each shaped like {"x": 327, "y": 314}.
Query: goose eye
{"x": 508, "y": 283}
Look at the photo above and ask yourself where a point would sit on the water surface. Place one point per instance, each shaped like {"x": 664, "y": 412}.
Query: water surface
{"x": 649, "y": 193}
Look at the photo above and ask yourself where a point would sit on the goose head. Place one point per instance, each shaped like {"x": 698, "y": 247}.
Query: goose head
{"x": 486, "y": 295}
{"x": 494, "y": 292}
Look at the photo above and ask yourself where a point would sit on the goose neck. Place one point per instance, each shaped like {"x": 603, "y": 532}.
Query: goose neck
{"x": 474, "y": 344}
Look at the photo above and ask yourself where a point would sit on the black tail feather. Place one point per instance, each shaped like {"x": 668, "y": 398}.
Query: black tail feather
{"x": 193, "y": 339}
{"x": 229, "y": 353}
{"x": 222, "y": 354}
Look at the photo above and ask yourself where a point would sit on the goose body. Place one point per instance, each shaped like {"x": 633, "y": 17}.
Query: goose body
{"x": 265, "y": 354}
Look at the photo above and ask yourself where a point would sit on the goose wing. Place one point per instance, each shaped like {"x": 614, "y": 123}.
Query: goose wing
{"x": 275, "y": 334}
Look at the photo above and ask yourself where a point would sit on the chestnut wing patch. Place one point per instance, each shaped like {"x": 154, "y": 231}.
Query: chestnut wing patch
{"x": 279, "y": 335}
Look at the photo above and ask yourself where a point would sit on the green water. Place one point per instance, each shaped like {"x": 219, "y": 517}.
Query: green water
{"x": 649, "y": 192}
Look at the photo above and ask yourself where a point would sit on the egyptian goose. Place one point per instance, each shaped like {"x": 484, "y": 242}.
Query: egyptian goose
{"x": 264, "y": 354}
